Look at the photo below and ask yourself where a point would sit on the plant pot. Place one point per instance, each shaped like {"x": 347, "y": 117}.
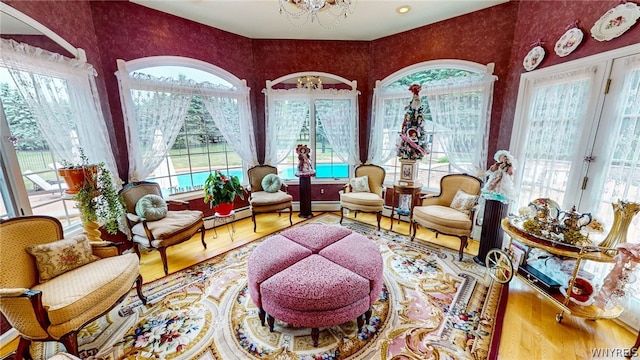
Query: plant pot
{"x": 74, "y": 177}
{"x": 223, "y": 208}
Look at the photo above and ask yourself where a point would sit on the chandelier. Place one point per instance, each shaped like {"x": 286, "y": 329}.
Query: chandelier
{"x": 309, "y": 82}
{"x": 299, "y": 12}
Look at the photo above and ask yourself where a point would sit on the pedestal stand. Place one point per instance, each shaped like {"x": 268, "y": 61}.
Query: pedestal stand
{"x": 492, "y": 234}
{"x": 305, "y": 194}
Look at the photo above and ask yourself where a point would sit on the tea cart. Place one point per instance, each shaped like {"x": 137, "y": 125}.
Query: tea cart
{"x": 563, "y": 301}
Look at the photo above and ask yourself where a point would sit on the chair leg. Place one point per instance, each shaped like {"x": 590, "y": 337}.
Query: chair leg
{"x": 463, "y": 244}
{"x": 415, "y": 229}
{"x": 139, "y": 290}
{"x": 23, "y": 349}
{"x": 202, "y": 236}
{"x": 70, "y": 342}
{"x": 290, "y": 213}
{"x": 341, "y": 214}
{"x": 379, "y": 216}
{"x": 253, "y": 218}
{"x": 163, "y": 256}
{"x": 315, "y": 336}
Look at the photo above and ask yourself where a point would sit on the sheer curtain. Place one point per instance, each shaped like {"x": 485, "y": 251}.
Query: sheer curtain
{"x": 554, "y": 123}
{"x": 154, "y": 110}
{"x": 287, "y": 112}
{"x": 388, "y": 114}
{"x": 336, "y": 115}
{"x": 231, "y": 113}
{"x": 462, "y": 107}
{"x": 61, "y": 94}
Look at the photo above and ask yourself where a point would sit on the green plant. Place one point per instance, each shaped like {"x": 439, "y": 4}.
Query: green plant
{"x": 98, "y": 200}
{"x": 221, "y": 189}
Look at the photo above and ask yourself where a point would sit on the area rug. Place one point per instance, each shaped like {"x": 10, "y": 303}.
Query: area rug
{"x": 431, "y": 307}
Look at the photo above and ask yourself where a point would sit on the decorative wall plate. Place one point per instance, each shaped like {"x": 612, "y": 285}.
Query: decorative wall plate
{"x": 615, "y": 21}
{"x": 533, "y": 58}
{"x": 569, "y": 42}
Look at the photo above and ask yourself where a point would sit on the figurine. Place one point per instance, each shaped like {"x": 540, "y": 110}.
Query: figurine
{"x": 304, "y": 159}
{"x": 501, "y": 175}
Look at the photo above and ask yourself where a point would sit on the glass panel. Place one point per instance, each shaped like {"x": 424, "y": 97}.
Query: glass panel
{"x": 555, "y": 119}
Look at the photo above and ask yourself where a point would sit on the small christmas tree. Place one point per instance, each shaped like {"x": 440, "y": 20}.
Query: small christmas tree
{"x": 412, "y": 144}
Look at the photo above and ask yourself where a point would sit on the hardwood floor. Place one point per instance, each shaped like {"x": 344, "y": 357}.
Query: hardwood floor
{"x": 529, "y": 329}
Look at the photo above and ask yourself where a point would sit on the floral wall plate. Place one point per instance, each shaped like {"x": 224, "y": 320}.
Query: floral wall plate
{"x": 569, "y": 42}
{"x": 533, "y": 58}
{"x": 615, "y": 22}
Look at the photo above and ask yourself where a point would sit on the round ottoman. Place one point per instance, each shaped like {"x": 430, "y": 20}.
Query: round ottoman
{"x": 315, "y": 276}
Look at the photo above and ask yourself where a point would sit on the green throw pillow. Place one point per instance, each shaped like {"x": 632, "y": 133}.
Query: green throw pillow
{"x": 151, "y": 207}
{"x": 271, "y": 183}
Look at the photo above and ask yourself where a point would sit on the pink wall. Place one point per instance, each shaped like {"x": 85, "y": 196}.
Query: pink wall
{"x": 111, "y": 30}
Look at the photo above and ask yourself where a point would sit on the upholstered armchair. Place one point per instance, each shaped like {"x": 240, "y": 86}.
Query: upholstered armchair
{"x": 364, "y": 194}
{"x": 452, "y": 211}
{"x": 268, "y": 196}
{"x": 155, "y": 227}
{"x": 51, "y": 287}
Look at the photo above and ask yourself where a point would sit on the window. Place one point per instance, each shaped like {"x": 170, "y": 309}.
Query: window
{"x": 205, "y": 122}
{"x": 456, "y": 97}
{"x": 319, "y": 111}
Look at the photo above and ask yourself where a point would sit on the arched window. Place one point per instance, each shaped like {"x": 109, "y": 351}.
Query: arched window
{"x": 184, "y": 119}
{"x": 456, "y": 96}
{"x": 319, "y": 110}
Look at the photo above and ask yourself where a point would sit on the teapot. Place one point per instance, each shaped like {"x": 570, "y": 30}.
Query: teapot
{"x": 574, "y": 220}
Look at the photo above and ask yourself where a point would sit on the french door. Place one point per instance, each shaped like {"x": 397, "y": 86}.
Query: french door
{"x": 577, "y": 138}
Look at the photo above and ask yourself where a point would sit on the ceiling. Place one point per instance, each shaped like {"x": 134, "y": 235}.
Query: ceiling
{"x": 370, "y": 20}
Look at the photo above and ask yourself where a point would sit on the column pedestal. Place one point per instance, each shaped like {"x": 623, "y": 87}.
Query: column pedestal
{"x": 305, "y": 196}
{"x": 492, "y": 234}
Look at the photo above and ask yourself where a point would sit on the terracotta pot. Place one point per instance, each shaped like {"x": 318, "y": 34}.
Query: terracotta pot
{"x": 74, "y": 177}
{"x": 223, "y": 208}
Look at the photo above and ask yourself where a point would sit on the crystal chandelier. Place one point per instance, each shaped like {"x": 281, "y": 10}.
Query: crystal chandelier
{"x": 309, "y": 82}
{"x": 299, "y": 12}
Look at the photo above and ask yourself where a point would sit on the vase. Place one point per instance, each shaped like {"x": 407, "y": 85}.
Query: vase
{"x": 623, "y": 213}
{"x": 92, "y": 230}
{"x": 74, "y": 177}
{"x": 223, "y": 208}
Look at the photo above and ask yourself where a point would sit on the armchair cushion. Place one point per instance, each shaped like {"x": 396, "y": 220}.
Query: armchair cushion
{"x": 263, "y": 198}
{"x": 152, "y": 207}
{"x": 271, "y": 183}
{"x": 58, "y": 257}
{"x": 366, "y": 199}
{"x": 463, "y": 202}
{"x": 360, "y": 184}
{"x": 174, "y": 223}
{"x": 443, "y": 218}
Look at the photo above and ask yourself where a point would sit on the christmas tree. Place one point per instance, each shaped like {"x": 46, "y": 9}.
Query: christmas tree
{"x": 412, "y": 144}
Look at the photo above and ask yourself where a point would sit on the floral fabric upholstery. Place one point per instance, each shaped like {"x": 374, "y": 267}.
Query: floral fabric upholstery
{"x": 58, "y": 257}
{"x": 360, "y": 184}
{"x": 337, "y": 283}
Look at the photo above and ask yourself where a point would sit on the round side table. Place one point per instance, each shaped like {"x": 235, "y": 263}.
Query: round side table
{"x": 226, "y": 220}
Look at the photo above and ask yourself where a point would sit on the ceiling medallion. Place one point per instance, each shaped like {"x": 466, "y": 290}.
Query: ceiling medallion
{"x": 326, "y": 13}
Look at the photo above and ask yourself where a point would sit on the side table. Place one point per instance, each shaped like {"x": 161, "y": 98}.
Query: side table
{"x": 413, "y": 190}
{"x": 226, "y": 219}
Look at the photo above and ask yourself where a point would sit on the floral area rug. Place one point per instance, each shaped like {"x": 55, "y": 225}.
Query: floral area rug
{"x": 431, "y": 307}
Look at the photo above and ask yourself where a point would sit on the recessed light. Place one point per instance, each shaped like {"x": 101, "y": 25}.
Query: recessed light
{"x": 403, "y": 9}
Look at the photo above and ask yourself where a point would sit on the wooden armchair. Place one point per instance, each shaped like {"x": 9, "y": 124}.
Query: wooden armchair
{"x": 262, "y": 201}
{"x": 174, "y": 227}
{"x": 370, "y": 200}
{"x": 51, "y": 287}
{"x": 449, "y": 213}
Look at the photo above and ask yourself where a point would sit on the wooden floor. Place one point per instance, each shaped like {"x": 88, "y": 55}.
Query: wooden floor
{"x": 529, "y": 329}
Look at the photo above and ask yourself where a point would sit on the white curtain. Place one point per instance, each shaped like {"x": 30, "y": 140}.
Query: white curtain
{"x": 287, "y": 112}
{"x": 337, "y": 119}
{"x": 462, "y": 107}
{"x": 388, "y": 114}
{"x": 61, "y": 94}
{"x": 231, "y": 113}
{"x": 154, "y": 110}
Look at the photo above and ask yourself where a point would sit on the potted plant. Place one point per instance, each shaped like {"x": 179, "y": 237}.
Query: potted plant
{"x": 74, "y": 174}
{"x": 220, "y": 191}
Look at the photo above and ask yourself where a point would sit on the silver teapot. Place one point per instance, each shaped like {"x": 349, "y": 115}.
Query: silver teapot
{"x": 574, "y": 220}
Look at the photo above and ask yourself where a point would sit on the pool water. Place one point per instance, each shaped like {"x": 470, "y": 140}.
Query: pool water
{"x": 195, "y": 180}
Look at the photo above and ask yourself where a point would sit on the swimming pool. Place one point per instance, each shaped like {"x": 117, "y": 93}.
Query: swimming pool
{"x": 196, "y": 180}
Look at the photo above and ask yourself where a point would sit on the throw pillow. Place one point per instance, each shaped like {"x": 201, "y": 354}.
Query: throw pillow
{"x": 360, "y": 184}
{"x": 152, "y": 207}
{"x": 271, "y": 183}
{"x": 463, "y": 202}
{"x": 58, "y": 257}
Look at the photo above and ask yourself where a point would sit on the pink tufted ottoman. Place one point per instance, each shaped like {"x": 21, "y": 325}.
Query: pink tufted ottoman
{"x": 315, "y": 276}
